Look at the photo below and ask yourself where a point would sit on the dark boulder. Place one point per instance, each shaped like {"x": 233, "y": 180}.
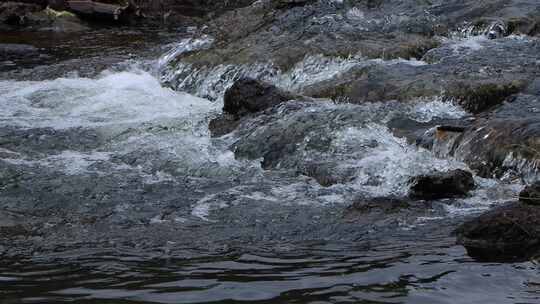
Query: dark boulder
{"x": 246, "y": 97}
{"x": 508, "y": 233}
{"x": 250, "y": 96}
{"x": 531, "y": 194}
{"x": 456, "y": 183}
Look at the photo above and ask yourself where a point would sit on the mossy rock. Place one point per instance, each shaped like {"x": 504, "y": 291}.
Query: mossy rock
{"x": 481, "y": 97}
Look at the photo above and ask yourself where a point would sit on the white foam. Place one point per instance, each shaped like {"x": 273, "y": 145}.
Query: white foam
{"x": 388, "y": 160}
{"x": 426, "y": 109}
{"x": 112, "y": 99}
{"x": 472, "y": 43}
{"x": 489, "y": 192}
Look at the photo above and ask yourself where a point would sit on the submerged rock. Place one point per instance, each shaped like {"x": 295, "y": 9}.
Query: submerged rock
{"x": 454, "y": 183}
{"x": 507, "y": 233}
{"x": 15, "y": 49}
{"x": 378, "y": 204}
{"x": 250, "y": 96}
{"x": 531, "y": 194}
{"x": 382, "y": 213}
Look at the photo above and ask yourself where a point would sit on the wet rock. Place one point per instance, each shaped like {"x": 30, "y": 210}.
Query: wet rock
{"x": 456, "y": 183}
{"x": 174, "y": 12}
{"x": 281, "y": 4}
{"x": 283, "y": 36}
{"x": 35, "y": 17}
{"x": 504, "y": 141}
{"x": 51, "y": 20}
{"x": 246, "y": 97}
{"x": 223, "y": 124}
{"x": 508, "y": 233}
{"x": 478, "y": 77}
{"x": 251, "y": 96}
{"x": 58, "y": 5}
{"x": 378, "y": 82}
{"x": 481, "y": 97}
{"x": 380, "y": 213}
{"x": 531, "y": 194}
{"x": 282, "y": 135}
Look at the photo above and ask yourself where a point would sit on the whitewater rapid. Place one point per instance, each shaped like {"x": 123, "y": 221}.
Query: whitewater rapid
{"x": 138, "y": 125}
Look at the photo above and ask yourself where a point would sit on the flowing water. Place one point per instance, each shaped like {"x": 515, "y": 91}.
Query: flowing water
{"x": 138, "y": 204}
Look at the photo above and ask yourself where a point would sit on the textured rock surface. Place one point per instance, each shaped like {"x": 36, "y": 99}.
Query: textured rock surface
{"x": 507, "y": 233}
{"x": 506, "y": 140}
{"x": 531, "y": 194}
{"x": 252, "y": 96}
{"x": 456, "y": 183}
{"x": 282, "y": 36}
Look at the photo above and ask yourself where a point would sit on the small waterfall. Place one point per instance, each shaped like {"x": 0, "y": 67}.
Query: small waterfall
{"x": 526, "y": 169}
{"x": 212, "y": 82}
{"x": 446, "y": 140}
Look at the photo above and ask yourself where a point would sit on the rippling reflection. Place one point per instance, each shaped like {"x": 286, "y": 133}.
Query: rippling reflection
{"x": 321, "y": 273}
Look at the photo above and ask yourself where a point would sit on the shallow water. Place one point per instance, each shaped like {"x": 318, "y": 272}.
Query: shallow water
{"x": 137, "y": 204}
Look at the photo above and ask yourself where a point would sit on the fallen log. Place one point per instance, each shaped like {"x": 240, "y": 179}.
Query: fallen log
{"x": 98, "y": 9}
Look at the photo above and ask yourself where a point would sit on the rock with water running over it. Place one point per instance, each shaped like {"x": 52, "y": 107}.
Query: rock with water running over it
{"x": 504, "y": 141}
{"x": 16, "y": 49}
{"x": 507, "y": 233}
{"x": 379, "y": 213}
{"x": 270, "y": 37}
{"x": 531, "y": 194}
{"x": 378, "y": 204}
{"x": 455, "y": 183}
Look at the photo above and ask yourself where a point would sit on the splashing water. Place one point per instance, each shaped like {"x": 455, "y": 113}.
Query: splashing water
{"x": 127, "y": 114}
{"x": 114, "y": 99}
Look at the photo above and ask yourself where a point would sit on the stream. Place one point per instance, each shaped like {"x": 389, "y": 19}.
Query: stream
{"x": 113, "y": 190}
